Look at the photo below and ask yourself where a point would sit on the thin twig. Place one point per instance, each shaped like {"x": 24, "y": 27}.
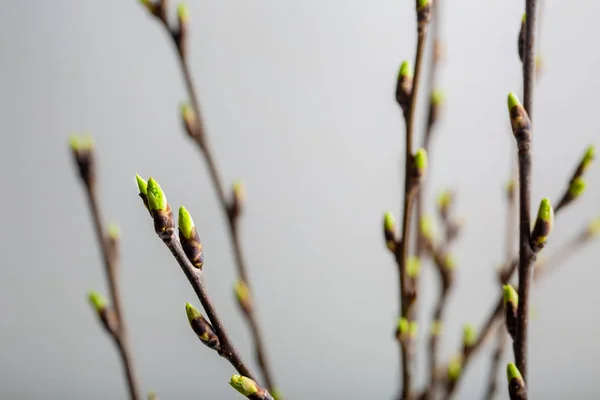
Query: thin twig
{"x": 501, "y": 341}
{"x": 407, "y": 295}
{"x": 196, "y": 279}
{"x": 120, "y": 335}
{"x": 494, "y": 317}
{"x": 526, "y": 253}
{"x": 199, "y": 136}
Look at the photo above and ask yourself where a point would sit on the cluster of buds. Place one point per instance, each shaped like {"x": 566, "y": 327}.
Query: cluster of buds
{"x": 156, "y": 202}
{"x": 159, "y": 10}
{"x": 105, "y": 313}
{"x": 248, "y": 388}
{"x": 83, "y": 153}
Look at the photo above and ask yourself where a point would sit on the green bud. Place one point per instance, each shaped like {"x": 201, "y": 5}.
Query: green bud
{"x": 594, "y": 227}
{"x": 239, "y": 196}
{"x": 389, "y": 230}
{"x": 421, "y": 161}
{"x": 454, "y": 368}
{"x": 186, "y": 223}
{"x": 189, "y": 118}
{"x": 245, "y": 386}
{"x": 413, "y": 329}
{"x": 545, "y": 212}
{"x": 389, "y": 222}
{"x": 422, "y": 4}
{"x": 524, "y": 18}
{"x": 114, "y": 232}
{"x": 513, "y": 101}
{"x": 413, "y": 266}
{"x": 444, "y": 199}
{"x": 276, "y": 394}
{"x": 189, "y": 238}
{"x": 142, "y": 185}
{"x": 510, "y": 186}
{"x": 98, "y": 301}
{"x": 512, "y": 372}
{"x": 437, "y": 327}
{"x": 243, "y": 296}
{"x": 406, "y": 70}
{"x": 403, "y": 326}
{"x": 437, "y": 97}
{"x": 588, "y": 157}
{"x": 543, "y": 223}
{"x": 74, "y": 142}
{"x": 191, "y": 312}
{"x": 156, "y": 197}
{"x": 426, "y": 227}
{"x": 577, "y": 187}
{"x": 202, "y": 328}
{"x": 469, "y": 335}
{"x": 148, "y": 4}
{"x": 449, "y": 262}
{"x": 183, "y": 13}
{"x": 510, "y": 296}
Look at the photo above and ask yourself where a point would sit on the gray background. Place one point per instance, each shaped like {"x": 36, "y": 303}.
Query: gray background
{"x": 298, "y": 97}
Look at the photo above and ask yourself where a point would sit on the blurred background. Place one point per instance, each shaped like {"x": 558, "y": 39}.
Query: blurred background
{"x": 298, "y": 100}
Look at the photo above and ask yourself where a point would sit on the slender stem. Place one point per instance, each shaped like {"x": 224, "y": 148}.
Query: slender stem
{"x": 501, "y": 341}
{"x": 410, "y": 189}
{"x": 232, "y": 219}
{"x": 526, "y": 253}
{"x": 431, "y": 83}
{"x": 493, "y": 318}
{"x": 531, "y": 9}
{"x": 196, "y": 279}
{"x": 434, "y": 341}
{"x": 120, "y": 336}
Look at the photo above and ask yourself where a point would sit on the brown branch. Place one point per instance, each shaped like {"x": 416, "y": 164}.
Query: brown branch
{"x": 411, "y": 186}
{"x": 197, "y": 133}
{"x": 526, "y": 252}
{"x": 196, "y": 279}
{"x": 501, "y": 341}
{"x": 541, "y": 270}
{"x": 117, "y": 328}
{"x": 432, "y": 114}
